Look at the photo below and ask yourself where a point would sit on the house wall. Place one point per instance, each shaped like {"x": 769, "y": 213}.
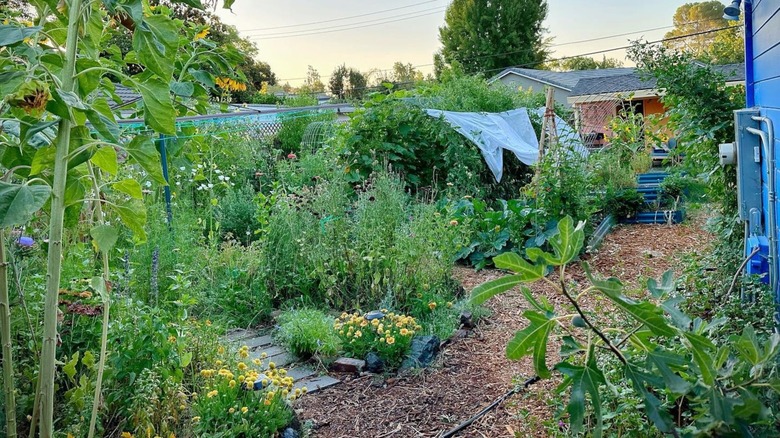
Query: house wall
{"x": 595, "y": 116}
{"x": 764, "y": 87}
{"x": 514, "y": 82}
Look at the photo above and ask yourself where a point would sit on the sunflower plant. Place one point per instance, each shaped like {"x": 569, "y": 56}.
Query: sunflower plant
{"x": 243, "y": 397}
{"x": 389, "y": 336}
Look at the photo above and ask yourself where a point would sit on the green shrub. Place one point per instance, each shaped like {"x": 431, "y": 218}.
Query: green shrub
{"x": 394, "y": 132}
{"x": 237, "y": 215}
{"x": 624, "y": 204}
{"x": 307, "y": 332}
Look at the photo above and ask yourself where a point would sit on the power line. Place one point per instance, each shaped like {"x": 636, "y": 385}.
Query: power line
{"x": 348, "y": 28}
{"x": 339, "y": 19}
{"x": 293, "y": 33}
{"x": 598, "y": 52}
{"x": 558, "y": 45}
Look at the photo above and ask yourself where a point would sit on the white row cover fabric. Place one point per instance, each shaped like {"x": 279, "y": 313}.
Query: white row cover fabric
{"x": 494, "y": 132}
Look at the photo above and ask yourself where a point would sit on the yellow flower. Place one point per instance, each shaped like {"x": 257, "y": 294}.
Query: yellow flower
{"x": 404, "y": 332}
{"x": 449, "y": 304}
{"x": 364, "y": 323}
{"x": 271, "y": 365}
{"x": 212, "y": 393}
{"x": 221, "y": 350}
{"x": 241, "y": 366}
{"x": 202, "y": 34}
{"x": 358, "y": 334}
{"x": 267, "y": 402}
{"x": 126, "y": 435}
{"x": 218, "y": 363}
{"x": 432, "y": 305}
{"x": 171, "y": 339}
{"x": 195, "y": 419}
{"x": 232, "y": 383}
{"x": 244, "y": 410}
{"x": 390, "y": 340}
{"x": 208, "y": 323}
{"x": 256, "y": 362}
{"x": 231, "y": 410}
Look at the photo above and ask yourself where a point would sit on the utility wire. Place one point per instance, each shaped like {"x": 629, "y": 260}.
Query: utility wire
{"x": 348, "y": 28}
{"x": 339, "y": 19}
{"x": 292, "y": 33}
{"x": 553, "y": 45}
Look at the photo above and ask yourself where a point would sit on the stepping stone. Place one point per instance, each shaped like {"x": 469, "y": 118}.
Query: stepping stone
{"x": 260, "y": 341}
{"x": 282, "y": 359}
{"x": 270, "y": 351}
{"x": 317, "y": 383}
{"x": 300, "y": 373}
{"x": 236, "y": 335}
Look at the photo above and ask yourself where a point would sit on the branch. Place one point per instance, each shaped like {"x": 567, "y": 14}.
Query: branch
{"x": 598, "y": 332}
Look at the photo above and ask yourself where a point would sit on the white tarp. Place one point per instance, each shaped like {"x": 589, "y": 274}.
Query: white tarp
{"x": 494, "y": 132}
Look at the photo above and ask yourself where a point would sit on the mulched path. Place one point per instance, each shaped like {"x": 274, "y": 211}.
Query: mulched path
{"x": 472, "y": 372}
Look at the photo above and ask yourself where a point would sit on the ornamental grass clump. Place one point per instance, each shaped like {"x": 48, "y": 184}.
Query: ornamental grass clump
{"x": 389, "y": 336}
{"x": 229, "y": 406}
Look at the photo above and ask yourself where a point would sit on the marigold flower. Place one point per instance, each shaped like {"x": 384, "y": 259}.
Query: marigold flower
{"x": 404, "y": 332}
{"x": 390, "y": 340}
{"x": 231, "y": 410}
{"x": 241, "y": 366}
{"x": 267, "y": 402}
{"x": 244, "y": 410}
{"x": 432, "y": 305}
{"x": 256, "y": 361}
{"x": 232, "y": 383}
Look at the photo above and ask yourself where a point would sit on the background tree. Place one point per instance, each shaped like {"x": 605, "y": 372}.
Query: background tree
{"x": 723, "y": 47}
{"x": 583, "y": 63}
{"x": 347, "y": 83}
{"x": 406, "y": 73}
{"x": 485, "y": 36}
{"x": 313, "y": 82}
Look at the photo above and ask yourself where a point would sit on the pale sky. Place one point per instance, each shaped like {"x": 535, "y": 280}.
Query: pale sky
{"x": 409, "y": 32}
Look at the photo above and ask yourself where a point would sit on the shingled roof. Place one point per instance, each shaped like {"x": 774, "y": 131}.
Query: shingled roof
{"x": 634, "y": 82}
{"x": 566, "y": 80}
{"x": 127, "y": 95}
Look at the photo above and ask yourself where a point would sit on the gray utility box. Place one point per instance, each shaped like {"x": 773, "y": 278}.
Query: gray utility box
{"x": 749, "y": 157}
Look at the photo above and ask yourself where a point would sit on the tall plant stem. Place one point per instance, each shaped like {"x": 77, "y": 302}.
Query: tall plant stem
{"x": 106, "y": 307}
{"x": 54, "y": 262}
{"x": 9, "y": 388}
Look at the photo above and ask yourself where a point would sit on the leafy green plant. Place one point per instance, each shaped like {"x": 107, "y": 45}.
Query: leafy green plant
{"x": 689, "y": 384}
{"x": 624, "y": 204}
{"x": 237, "y": 214}
{"x": 307, "y": 332}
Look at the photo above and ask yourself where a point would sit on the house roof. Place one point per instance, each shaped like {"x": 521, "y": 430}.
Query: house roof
{"x": 565, "y": 80}
{"x": 634, "y": 82}
{"x": 127, "y": 95}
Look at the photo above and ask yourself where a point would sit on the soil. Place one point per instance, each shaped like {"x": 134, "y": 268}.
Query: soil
{"x": 473, "y": 371}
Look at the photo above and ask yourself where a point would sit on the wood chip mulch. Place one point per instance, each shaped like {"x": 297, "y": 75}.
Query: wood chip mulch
{"x": 472, "y": 372}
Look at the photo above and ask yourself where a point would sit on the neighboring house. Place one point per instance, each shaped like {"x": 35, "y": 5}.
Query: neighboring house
{"x": 597, "y": 100}
{"x": 563, "y": 82}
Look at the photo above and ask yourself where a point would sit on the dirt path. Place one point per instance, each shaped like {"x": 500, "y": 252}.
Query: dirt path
{"x": 472, "y": 372}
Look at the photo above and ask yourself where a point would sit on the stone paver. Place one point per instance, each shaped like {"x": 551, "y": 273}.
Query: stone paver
{"x": 259, "y": 343}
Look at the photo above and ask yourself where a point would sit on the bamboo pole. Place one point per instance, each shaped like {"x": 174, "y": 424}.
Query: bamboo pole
{"x": 9, "y": 388}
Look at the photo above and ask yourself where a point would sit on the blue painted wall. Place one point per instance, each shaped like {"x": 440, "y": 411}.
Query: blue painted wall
{"x": 762, "y": 27}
